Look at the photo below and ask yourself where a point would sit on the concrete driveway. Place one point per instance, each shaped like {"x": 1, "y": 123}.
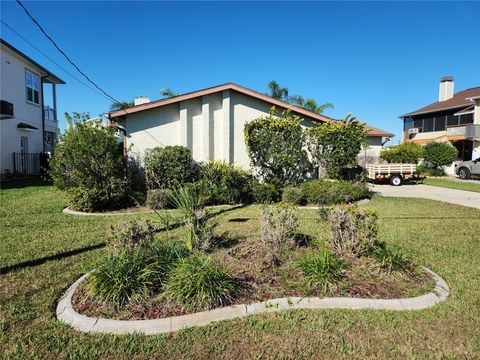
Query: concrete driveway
{"x": 452, "y": 196}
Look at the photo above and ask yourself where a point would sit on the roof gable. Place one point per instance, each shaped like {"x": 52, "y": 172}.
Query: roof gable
{"x": 459, "y": 100}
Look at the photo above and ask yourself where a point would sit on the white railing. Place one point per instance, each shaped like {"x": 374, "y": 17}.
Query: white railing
{"x": 48, "y": 113}
{"x": 456, "y": 130}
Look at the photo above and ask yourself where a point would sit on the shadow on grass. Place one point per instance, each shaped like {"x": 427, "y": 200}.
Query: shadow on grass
{"x": 23, "y": 183}
{"x": 40, "y": 261}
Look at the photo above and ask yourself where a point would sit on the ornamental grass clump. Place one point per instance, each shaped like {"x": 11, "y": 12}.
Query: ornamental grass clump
{"x": 197, "y": 283}
{"x": 131, "y": 236}
{"x": 122, "y": 278}
{"x": 323, "y": 269}
{"x": 164, "y": 256}
{"x": 279, "y": 224}
{"x": 391, "y": 257}
{"x": 353, "y": 231}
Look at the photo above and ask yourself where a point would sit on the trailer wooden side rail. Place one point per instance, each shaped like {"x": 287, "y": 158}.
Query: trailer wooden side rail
{"x": 396, "y": 173}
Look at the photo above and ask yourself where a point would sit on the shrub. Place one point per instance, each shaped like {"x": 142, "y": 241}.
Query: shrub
{"x": 131, "y": 236}
{"x": 265, "y": 193}
{"x": 168, "y": 167}
{"x": 438, "y": 154}
{"x": 159, "y": 199}
{"x": 391, "y": 258}
{"x": 164, "y": 256}
{"x": 121, "y": 278}
{"x": 427, "y": 171}
{"x": 353, "y": 231}
{"x": 326, "y": 192}
{"x": 323, "y": 269}
{"x": 293, "y": 195}
{"x": 225, "y": 184}
{"x": 276, "y": 146}
{"x": 136, "y": 182}
{"x": 278, "y": 224}
{"x": 405, "y": 153}
{"x": 335, "y": 145}
{"x": 88, "y": 165}
{"x": 199, "y": 223}
{"x": 199, "y": 284}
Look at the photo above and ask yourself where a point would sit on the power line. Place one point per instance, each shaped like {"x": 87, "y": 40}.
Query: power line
{"x": 49, "y": 58}
{"x": 63, "y": 53}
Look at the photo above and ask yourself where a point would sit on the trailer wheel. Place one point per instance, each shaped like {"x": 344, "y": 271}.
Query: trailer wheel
{"x": 396, "y": 180}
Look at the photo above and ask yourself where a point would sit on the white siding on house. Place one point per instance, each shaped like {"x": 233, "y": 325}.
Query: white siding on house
{"x": 13, "y": 90}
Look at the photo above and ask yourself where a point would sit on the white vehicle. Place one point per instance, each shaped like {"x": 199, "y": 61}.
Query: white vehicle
{"x": 465, "y": 169}
{"x": 395, "y": 173}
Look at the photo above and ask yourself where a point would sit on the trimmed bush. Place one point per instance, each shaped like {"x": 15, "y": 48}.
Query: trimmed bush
{"x": 391, "y": 257}
{"x": 88, "y": 165}
{"x": 159, "y": 199}
{"x": 426, "y": 171}
{"x": 121, "y": 278}
{"x": 168, "y": 167}
{"x": 438, "y": 154}
{"x": 265, "y": 193}
{"x": 353, "y": 231}
{"x": 405, "y": 153}
{"x": 323, "y": 269}
{"x": 225, "y": 184}
{"x": 279, "y": 224}
{"x": 131, "y": 236}
{"x": 293, "y": 195}
{"x": 199, "y": 284}
{"x": 327, "y": 192}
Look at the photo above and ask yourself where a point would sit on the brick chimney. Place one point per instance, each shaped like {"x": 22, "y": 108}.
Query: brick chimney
{"x": 446, "y": 88}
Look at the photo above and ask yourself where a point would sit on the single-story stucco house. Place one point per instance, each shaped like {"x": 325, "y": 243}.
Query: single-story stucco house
{"x": 210, "y": 122}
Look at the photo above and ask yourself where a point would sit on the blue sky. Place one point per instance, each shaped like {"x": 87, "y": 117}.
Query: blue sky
{"x": 374, "y": 59}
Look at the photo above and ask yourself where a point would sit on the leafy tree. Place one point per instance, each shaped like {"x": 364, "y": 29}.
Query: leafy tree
{"x": 276, "y": 148}
{"x": 438, "y": 154}
{"x": 167, "y": 92}
{"x": 121, "y": 105}
{"x": 405, "y": 153}
{"x": 88, "y": 165}
{"x": 335, "y": 145}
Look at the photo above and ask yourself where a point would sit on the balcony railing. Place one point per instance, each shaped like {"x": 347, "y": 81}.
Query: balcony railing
{"x": 49, "y": 113}
{"x": 467, "y": 131}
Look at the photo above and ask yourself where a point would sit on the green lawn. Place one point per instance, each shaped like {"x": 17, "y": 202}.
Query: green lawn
{"x": 453, "y": 184}
{"x": 43, "y": 251}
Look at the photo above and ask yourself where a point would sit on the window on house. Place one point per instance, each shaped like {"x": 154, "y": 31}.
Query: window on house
{"x": 439, "y": 123}
{"x": 418, "y": 123}
{"x": 407, "y": 124}
{"x": 466, "y": 119}
{"x": 452, "y": 120}
{"x": 33, "y": 87}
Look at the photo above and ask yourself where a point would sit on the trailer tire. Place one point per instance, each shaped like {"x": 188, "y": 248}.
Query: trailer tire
{"x": 396, "y": 180}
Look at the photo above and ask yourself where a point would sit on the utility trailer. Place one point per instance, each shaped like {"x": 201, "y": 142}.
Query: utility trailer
{"x": 395, "y": 173}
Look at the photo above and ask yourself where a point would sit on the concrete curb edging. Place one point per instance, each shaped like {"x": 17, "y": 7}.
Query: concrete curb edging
{"x": 67, "y": 314}
{"x": 314, "y": 207}
{"x": 69, "y": 211}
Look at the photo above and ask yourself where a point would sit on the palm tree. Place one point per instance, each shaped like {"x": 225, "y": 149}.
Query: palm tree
{"x": 311, "y": 104}
{"x": 168, "y": 92}
{"x": 122, "y": 105}
{"x": 277, "y": 92}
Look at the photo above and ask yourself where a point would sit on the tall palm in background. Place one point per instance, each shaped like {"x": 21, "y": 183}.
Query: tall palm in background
{"x": 167, "y": 92}
{"x": 121, "y": 105}
{"x": 278, "y": 92}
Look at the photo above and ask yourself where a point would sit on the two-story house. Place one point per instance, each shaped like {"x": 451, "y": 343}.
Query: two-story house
{"x": 455, "y": 118}
{"x": 28, "y": 119}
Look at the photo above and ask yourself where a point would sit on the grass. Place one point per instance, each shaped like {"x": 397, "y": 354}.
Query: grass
{"x": 43, "y": 251}
{"x": 453, "y": 184}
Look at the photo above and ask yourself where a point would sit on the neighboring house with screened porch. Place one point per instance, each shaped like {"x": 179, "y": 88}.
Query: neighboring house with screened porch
{"x": 454, "y": 118}
{"x": 28, "y": 120}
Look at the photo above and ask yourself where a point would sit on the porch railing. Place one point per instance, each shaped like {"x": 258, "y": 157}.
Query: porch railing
{"x": 48, "y": 113}
{"x": 468, "y": 131}
{"x": 30, "y": 163}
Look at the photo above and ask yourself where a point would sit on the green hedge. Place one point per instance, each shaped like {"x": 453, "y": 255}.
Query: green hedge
{"x": 327, "y": 192}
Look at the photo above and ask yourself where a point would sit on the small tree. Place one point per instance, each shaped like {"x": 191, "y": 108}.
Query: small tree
{"x": 335, "y": 145}
{"x": 405, "y": 153}
{"x": 438, "y": 154}
{"x": 276, "y": 148}
{"x": 89, "y": 166}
